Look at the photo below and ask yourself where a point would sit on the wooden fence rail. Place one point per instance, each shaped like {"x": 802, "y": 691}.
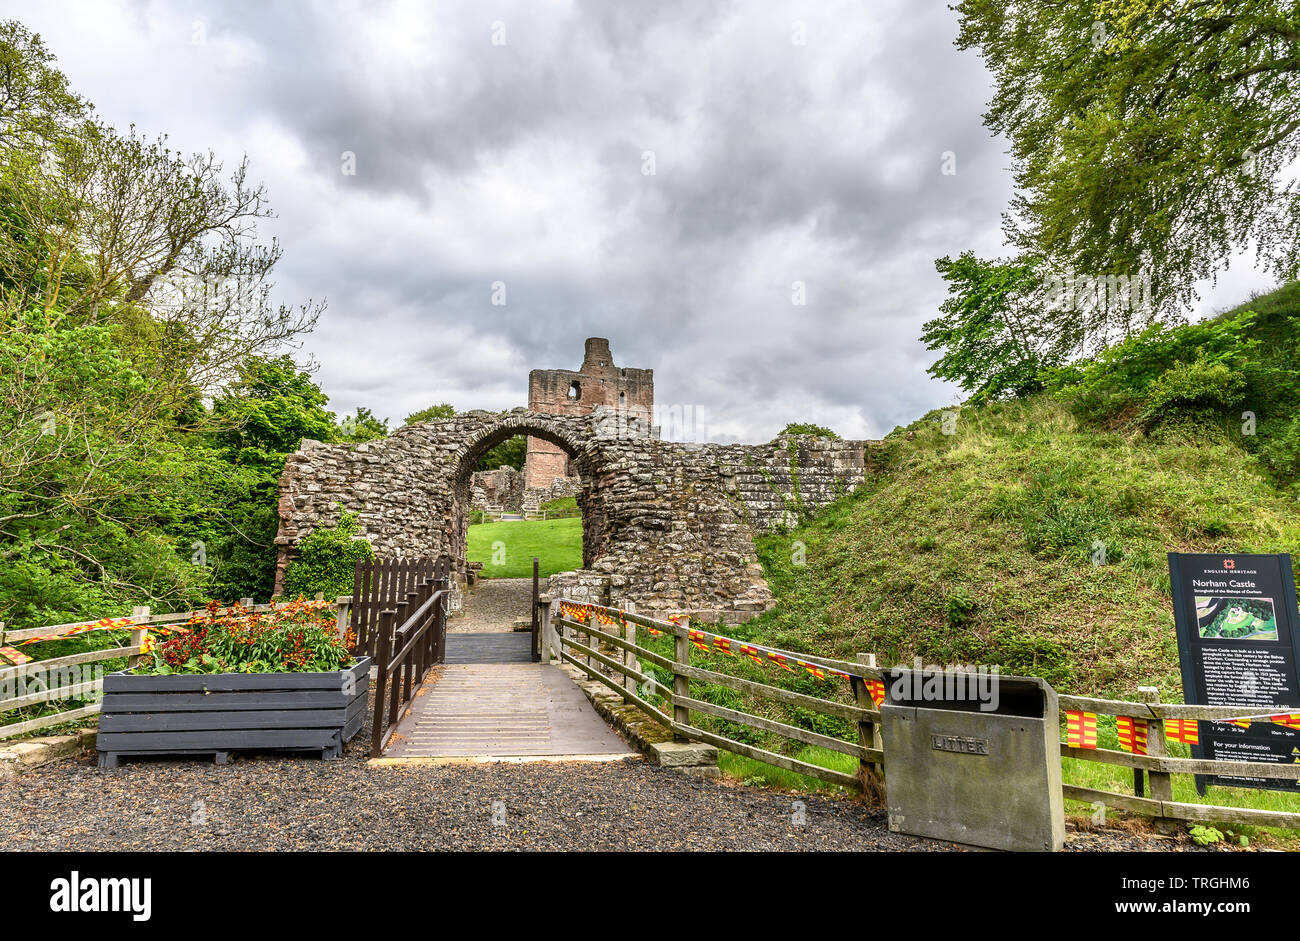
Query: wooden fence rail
{"x": 1159, "y": 766}
{"x": 578, "y": 643}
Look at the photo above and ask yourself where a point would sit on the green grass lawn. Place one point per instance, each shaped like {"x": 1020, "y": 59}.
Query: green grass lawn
{"x": 507, "y": 549}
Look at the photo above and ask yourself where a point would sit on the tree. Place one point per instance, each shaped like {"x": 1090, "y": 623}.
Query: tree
{"x": 269, "y": 409}
{"x": 805, "y": 428}
{"x": 1150, "y": 137}
{"x": 993, "y": 333}
{"x": 133, "y": 285}
{"x": 512, "y": 452}
{"x": 363, "y": 426}
{"x": 432, "y": 413}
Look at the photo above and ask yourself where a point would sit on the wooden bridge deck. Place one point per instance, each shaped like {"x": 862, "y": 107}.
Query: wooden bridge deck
{"x": 493, "y": 647}
{"x": 491, "y": 701}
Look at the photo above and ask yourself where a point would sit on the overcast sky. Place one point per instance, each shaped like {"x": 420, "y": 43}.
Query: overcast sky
{"x": 510, "y": 142}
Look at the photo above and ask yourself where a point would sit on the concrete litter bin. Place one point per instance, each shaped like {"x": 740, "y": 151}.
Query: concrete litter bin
{"x": 984, "y": 777}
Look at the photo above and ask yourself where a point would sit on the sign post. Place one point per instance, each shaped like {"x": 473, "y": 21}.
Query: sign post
{"x": 1239, "y": 644}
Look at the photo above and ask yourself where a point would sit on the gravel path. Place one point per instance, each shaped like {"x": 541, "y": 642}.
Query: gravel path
{"x": 273, "y": 803}
{"x": 307, "y": 804}
{"x": 493, "y": 605}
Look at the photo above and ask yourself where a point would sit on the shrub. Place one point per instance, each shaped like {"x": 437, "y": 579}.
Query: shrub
{"x": 1195, "y": 396}
{"x": 327, "y": 560}
{"x": 300, "y": 637}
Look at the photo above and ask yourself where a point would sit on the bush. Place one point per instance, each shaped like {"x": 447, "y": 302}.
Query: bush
{"x": 327, "y": 560}
{"x": 1194, "y": 396}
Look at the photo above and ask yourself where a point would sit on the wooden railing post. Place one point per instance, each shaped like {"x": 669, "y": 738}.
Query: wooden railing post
{"x": 550, "y": 645}
{"x": 536, "y": 642}
{"x": 443, "y": 584}
{"x": 412, "y": 604}
{"x": 137, "y": 635}
{"x": 868, "y": 731}
{"x": 629, "y": 656}
{"x": 383, "y": 648}
{"x": 1162, "y": 788}
{"x": 342, "y": 609}
{"x": 569, "y": 632}
{"x": 424, "y": 591}
{"x": 681, "y": 685}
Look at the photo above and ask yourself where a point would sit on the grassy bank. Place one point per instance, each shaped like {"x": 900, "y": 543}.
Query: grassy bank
{"x": 982, "y": 547}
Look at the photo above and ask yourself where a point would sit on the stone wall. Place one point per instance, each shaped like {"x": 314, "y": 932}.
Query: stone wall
{"x": 666, "y": 525}
{"x": 503, "y": 488}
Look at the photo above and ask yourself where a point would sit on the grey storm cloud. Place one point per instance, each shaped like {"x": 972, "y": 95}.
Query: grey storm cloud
{"x": 775, "y": 162}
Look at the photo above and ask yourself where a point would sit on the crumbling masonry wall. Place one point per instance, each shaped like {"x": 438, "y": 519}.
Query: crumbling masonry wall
{"x": 667, "y": 526}
{"x": 597, "y": 382}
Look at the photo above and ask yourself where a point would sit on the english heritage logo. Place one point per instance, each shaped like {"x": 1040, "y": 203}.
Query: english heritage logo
{"x": 76, "y": 894}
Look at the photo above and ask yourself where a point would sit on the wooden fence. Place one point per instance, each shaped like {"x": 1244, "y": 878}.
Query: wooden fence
{"x": 1159, "y": 766}
{"x": 567, "y": 646}
{"x": 379, "y": 584}
{"x": 35, "y": 676}
{"x": 565, "y": 640}
{"x": 410, "y": 637}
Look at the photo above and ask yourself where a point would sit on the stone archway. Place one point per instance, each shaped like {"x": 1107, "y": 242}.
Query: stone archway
{"x": 669, "y": 526}
{"x": 586, "y": 459}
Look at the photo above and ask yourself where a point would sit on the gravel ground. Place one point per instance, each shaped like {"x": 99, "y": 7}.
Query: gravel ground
{"x": 493, "y": 605}
{"x": 287, "y": 804}
{"x": 279, "y": 803}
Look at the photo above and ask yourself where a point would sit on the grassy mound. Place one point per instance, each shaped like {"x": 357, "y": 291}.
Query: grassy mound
{"x": 983, "y": 547}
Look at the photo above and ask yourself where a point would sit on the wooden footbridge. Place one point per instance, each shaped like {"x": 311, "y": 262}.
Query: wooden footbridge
{"x": 481, "y": 696}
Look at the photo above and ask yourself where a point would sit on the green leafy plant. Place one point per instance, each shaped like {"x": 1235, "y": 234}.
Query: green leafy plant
{"x": 1197, "y": 393}
{"x": 1205, "y": 836}
{"x": 327, "y": 560}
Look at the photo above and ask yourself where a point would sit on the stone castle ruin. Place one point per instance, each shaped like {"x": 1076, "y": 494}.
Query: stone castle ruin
{"x": 549, "y": 473}
{"x": 669, "y": 526}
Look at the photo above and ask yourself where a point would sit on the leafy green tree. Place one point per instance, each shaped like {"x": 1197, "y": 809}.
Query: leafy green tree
{"x": 269, "y": 409}
{"x": 363, "y": 426}
{"x": 994, "y": 337}
{"x": 512, "y": 452}
{"x": 133, "y": 286}
{"x": 260, "y": 419}
{"x": 806, "y": 428}
{"x": 1150, "y": 137}
{"x": 432, "y": 413}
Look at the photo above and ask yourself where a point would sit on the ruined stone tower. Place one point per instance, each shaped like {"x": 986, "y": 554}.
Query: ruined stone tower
{"x": 564, "y": 392}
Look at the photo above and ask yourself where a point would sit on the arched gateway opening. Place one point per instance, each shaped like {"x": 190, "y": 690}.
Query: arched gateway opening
{"x": 581, "y": 459}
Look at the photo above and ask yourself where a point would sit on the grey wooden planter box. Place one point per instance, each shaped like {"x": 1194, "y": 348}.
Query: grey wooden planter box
{"x": 217, "y": 713}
